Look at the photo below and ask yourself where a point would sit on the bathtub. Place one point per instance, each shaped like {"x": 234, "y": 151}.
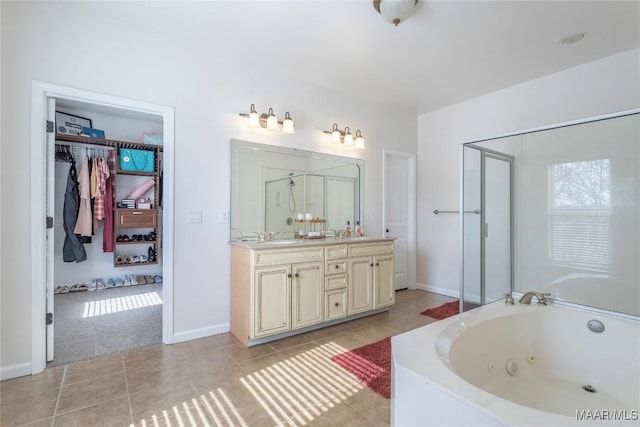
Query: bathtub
{"x": 518, "y": 365}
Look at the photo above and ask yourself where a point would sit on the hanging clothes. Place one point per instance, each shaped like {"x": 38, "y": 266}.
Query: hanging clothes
{"x": 72, "y": 248}
{"x": 98, "y": 198}
{"x": 85, "y": 218}
{"x": 107, "y": 232}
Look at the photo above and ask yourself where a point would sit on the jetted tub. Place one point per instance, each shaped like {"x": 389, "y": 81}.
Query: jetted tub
{"x": 518, "y": 365}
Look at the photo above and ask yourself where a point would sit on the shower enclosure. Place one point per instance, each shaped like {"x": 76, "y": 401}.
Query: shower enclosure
{"x": 558, "y": 212}
{"x": 329, "y": 197}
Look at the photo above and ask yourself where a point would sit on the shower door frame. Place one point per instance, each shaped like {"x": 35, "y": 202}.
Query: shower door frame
{"x": 496, "y": 155}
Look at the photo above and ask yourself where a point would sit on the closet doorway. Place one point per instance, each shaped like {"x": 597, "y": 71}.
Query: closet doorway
{"x": 115, "y": 284}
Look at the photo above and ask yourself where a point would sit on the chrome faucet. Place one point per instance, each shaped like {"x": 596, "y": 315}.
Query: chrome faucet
{"x": 542, "y": 300}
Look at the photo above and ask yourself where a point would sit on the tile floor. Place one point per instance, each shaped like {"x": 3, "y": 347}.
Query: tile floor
{"x": 217, "y": 381}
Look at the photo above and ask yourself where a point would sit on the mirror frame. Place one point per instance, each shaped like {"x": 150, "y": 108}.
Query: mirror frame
{"x": 236, "y": 145}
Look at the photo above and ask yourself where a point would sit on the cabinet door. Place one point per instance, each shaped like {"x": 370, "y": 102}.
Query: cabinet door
{"x": 360, "y": 284}
{"x": 335, "y": 304}
{"x": 272, "y": 300}
{"x": 308, "y": 294}
{"x": 384, "y": 293}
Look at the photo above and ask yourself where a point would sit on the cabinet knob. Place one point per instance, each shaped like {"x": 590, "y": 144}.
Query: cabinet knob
{"x": 337, "y": 266}
{"x": 377, "y": 264}
{"x": 297, "y": 275}
{"x": 371, "y": 264}
{"x": 337, "y": 304}
{"x": 289, "y": 275}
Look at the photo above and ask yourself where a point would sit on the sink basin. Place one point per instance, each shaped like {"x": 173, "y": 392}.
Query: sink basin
{"x": 281, "y": 242}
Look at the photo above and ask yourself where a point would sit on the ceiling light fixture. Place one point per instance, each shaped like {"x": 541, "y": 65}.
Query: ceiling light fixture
{"x": 345, "y": 137}
{"x": 395, "y": 11}
{"x": 269, "y": 121}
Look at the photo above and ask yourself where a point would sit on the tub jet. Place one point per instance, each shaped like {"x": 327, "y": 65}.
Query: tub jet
{"x": 589, "y": 388}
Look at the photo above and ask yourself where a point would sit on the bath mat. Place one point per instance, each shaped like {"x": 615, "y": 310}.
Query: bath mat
{"x": 447, "y": 310}
{"x": 371, "y": 364}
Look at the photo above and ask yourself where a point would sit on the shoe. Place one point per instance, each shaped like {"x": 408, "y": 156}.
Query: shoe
{"x": 127, "y": 280}
{"x": 119, "y": 260}
{"x": 143, "y": 258}
{"x": 100, "y": 286}
{"x": 125, "y": 238}
{"x": 93, "y": 285}
{"x": 149, "y": 279}
{"x": 119, "y": 282}
{"x": 142, "y": 280}
{"x": 152, "y": 254}
{"x": 110, "y": 283}
{"x": 128, "y": 259}
{"x": 157, "y": 278}
{"x": 133, "y": 279}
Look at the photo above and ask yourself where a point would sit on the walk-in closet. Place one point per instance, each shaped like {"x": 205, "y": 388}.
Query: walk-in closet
{"x": 106, "y": 192}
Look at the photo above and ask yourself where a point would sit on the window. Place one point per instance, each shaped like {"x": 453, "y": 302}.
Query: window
{"x": 580, "y": 210}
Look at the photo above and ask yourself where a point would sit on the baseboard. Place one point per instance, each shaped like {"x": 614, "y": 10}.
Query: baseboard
{"x": 15, "y": 371}
{"x": 201, "y": 333}
{"x": 436, "y": 290}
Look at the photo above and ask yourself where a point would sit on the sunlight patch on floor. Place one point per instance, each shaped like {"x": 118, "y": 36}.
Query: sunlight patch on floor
{"x": 115, "y": 305}
{"x": 299, "y": 389}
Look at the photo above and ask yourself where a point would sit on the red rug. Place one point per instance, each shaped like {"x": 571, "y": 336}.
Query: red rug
{"x": 371, "y": 364}
{"x": 447, "y": 310}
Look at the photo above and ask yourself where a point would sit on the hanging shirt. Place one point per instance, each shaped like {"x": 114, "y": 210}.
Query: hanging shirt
{"x": 98, "y": 205}
{"x": 84, "y": 223}
{"x": 107, "y": 232}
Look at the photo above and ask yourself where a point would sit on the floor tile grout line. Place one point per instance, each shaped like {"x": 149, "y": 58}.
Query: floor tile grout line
{"x": 126, "y": 389}
{"x": 55, "y": 409}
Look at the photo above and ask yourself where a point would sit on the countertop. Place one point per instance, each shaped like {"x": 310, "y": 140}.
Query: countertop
{"x": 296, "y": 243}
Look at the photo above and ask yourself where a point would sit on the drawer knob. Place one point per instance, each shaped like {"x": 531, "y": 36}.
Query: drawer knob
{"x": 136, "y": 213}
{"x": 337, "y": 266}
{"x": 297, "y": 275}
{"x": 337, "y": 304}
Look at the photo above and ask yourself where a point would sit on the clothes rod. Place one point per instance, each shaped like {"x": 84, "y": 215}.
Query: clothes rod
{"x": 436, "y": 211}
{"x": 94, "y": 145}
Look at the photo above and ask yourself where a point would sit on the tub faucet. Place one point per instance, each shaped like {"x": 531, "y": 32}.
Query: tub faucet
{"x": 542, "y": 300}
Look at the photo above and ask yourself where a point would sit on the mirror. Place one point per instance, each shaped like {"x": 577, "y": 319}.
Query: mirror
{"x": 272, "y": 186}
{"x": 576, "y": 213}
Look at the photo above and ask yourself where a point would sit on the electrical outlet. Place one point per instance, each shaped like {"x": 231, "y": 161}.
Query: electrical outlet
{"x": 224, "y": 217}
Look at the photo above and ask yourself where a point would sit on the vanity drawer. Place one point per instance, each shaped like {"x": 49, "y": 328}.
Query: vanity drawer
{"x": 335, "y": 251}
{"x": 287, "y": 256}
{"x": 336, "y": 266}
{"x": 337, "y": 281}
{"x": 364, "y": 249}
{"x": 135, "y": 218}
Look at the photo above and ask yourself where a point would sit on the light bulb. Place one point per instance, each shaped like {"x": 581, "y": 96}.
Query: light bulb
{"x": 287, "y": 124}
{"x": 348, "y": 138}
{"x": 359, "y": 139}
{"x": 272, "y": 121}
{"x": 335, "y": 134}
{"x": 254, "y": 118}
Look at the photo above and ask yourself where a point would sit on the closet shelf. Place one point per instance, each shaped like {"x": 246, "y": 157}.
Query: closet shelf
{"x": 135, "y": 264}
{"x": 141, "y": 242}
{"x": 105, "y": 142}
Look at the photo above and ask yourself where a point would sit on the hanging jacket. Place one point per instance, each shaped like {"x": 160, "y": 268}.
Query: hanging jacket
{"x": 72, "y": 248}
{"x": 84, "y": 224}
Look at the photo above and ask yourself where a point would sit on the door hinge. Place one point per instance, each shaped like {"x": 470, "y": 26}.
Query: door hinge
{"x": 49, "y": 222}
{"x": 49, "y": 318}
{"x": 50, "y": 126}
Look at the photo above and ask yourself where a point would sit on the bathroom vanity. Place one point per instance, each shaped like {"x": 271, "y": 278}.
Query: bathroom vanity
{"x": 285, "y": 287}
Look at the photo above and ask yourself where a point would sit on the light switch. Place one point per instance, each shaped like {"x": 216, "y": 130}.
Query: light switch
{"x": 194, "y": 217}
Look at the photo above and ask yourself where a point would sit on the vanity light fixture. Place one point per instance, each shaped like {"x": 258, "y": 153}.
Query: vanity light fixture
{"x": 345, "y": 137}
{"x": 269, "y": 121}
{"x": 395, "y": 11}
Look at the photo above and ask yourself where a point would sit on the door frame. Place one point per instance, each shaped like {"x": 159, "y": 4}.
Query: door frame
{"x": 410, "y": 159}
{"x": 40, "y": 92}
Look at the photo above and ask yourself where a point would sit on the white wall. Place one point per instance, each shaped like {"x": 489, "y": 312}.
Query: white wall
{"x": 600, "y": 87}
{"x": 207, "y": 95}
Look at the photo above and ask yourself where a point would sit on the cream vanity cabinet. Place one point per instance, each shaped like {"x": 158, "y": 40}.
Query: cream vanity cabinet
{"x": 280, "y": 291}
{"x": 371, "y": 277}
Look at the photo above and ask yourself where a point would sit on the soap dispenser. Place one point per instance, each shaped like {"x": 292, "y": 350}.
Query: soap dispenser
{"x": 358, "y": 229}
{"x": 347, "y": 232}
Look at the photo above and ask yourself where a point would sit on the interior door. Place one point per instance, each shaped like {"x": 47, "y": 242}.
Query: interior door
{"x": 396, "y": 215}
{"x": 50, "y": 209}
